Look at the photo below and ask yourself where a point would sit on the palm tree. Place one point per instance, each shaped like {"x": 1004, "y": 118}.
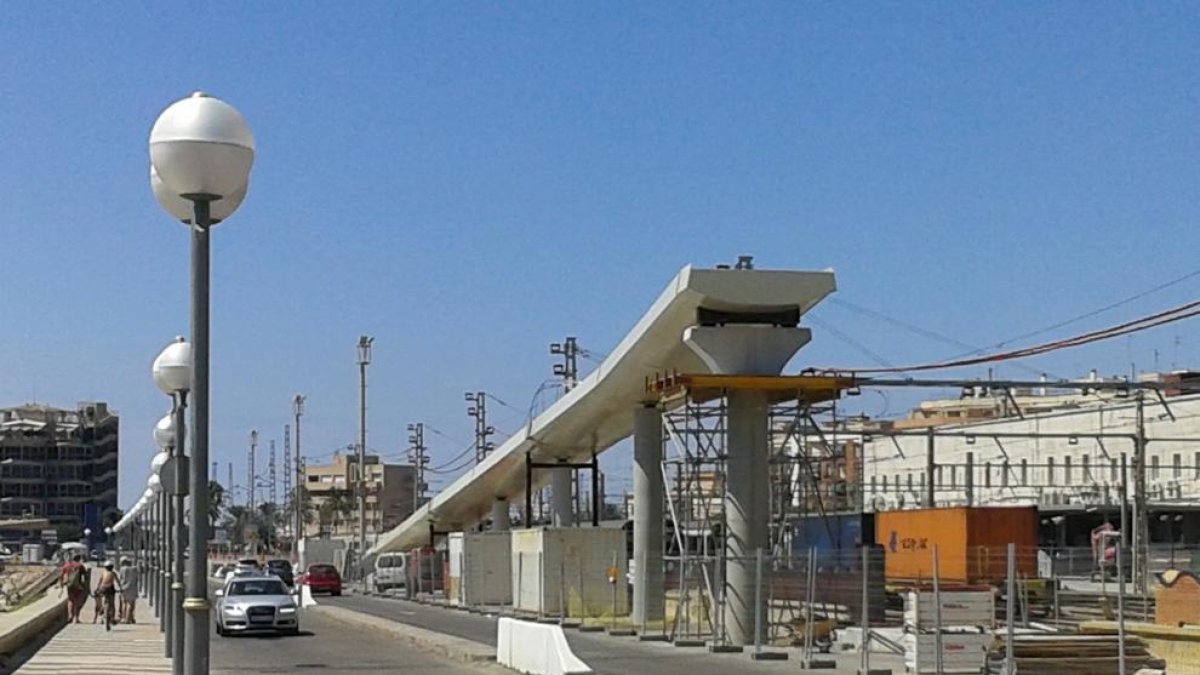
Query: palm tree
{"x": 216, "y": 502}
{"x": 236, "y": 519}
{"x": 339, "y": 506}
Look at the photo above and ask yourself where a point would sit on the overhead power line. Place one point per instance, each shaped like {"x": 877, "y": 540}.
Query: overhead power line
{"x": 1172, "y": 315}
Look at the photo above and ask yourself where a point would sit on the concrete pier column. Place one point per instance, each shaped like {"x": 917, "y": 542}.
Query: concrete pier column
{"x": 747, "y": 510}
{"x": 745, "y": 349}
{"x": 500, "y": 518}
{"x": 647, "y": 515}
{"x": 561, "y": 501}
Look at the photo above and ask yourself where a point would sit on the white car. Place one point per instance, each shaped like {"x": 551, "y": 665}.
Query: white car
{"x": 256, "y": 603}
{"x": 241, "y": 571}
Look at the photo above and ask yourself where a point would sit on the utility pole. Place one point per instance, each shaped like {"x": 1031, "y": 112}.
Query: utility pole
{"x": 1141, "y": 520}
{"x": 419, "y": 459}
{"x": 229, "y": 486}
{"x": 568, "y": 370}
{"x": 298, "y": 502}
{"x": 287, "y": 477}
{"x": 482, "y": 431}
{"x": 250, "y": 471}
{"x": 271, "y": 474}
{"x": 364, "y": 358}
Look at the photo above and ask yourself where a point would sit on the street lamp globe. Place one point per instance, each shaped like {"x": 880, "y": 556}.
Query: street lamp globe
{"x": 182, "y": 209}
{"x": 154, "y": 483}
{"x": 164, "y": 432}
{"x": 157, "y": 463}
{"x": 202, "y": 148}
{"x": 149, "y": 496}
{"x": 172, "y": 369}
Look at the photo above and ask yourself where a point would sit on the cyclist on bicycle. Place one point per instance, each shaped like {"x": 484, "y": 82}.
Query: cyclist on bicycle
{"x": 106, "y": 592}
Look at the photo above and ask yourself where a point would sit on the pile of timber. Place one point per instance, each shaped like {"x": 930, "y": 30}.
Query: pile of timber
{"x": 1073, "y": 655}
{"x": 1076, "y": 607}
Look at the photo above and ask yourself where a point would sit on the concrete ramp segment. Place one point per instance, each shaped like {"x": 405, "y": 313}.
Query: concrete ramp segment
{"x": 599, "y": 412}
{"x": 536, "y": 649}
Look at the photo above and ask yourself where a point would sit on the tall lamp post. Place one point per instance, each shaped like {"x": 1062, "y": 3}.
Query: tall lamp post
{"x": 172, "y": 374}
{"x": 364, "y": 359}
{"x": 201, "y": 151}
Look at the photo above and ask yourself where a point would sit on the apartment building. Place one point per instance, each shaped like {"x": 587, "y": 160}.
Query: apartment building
{"x": 334, "y": 502}
{"x": 59, "y": 464}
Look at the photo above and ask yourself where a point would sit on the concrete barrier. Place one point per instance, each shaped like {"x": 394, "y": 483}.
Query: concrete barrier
{"x": 536, "y": 649}
{"x": 20, "y": 628}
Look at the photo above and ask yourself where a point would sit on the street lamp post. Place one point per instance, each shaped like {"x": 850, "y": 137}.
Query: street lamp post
{"x": 172, "y": 374}
{"x": 201, "y": 150}
{"x": 364, "y": 359}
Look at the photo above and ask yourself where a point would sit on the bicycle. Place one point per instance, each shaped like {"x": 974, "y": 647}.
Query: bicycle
{"x": 108, "y": 597}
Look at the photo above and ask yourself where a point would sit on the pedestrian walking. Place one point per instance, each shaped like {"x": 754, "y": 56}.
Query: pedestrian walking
{"x": 129, "y": 590}
{"x": 74, "y": 578}
{"x": 106, "y": 594}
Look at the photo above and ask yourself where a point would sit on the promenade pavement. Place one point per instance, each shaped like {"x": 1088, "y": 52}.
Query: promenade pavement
{"x": 88, "y": 649}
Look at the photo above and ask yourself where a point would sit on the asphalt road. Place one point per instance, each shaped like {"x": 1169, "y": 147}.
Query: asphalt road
{"x": 326, "y": 647}
{"x": 605, "y": 654}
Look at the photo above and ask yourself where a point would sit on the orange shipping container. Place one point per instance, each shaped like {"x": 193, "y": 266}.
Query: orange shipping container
{"x": 972, "y": 543}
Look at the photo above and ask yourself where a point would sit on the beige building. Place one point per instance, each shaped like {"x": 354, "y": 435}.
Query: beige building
{"x": 334, "y": 502}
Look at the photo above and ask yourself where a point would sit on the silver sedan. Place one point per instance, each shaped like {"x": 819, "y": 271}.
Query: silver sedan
{"x": 258, "y": 603}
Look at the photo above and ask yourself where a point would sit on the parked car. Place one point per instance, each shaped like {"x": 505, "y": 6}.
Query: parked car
{"x": 322, "y": 579}
{"x": 282, "y": 569}
{"x": 391, "y": 571}
{"x": 241, "y": 570}
{"x": 256, "y": 604}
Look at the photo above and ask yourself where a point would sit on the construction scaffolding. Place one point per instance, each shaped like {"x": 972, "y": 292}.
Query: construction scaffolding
{"x": 813, "y": 477}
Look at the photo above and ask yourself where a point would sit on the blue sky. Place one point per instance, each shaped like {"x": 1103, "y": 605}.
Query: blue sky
{"x": 468, "y": 183}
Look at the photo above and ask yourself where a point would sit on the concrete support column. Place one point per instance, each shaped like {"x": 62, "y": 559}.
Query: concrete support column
{"x": 562, "y": 506}
{"x": 647, "y": 515}
{"x": 500, "y": 519}
{"x": 747, "y": 509}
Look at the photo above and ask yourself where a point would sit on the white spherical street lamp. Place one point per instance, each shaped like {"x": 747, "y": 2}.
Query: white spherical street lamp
{"x": 202, "y": 148}
{"x": 157, "y": 463}
{"x": 184, "y": 211}
{"x": 202, "y": 151}
{"x": 164, "y": 432}
{"x": 172, "y": 368}
{"x": 154, "y": 483}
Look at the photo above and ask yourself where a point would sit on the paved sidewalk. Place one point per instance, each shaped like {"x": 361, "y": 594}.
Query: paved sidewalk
{"x": 87, "y": 648}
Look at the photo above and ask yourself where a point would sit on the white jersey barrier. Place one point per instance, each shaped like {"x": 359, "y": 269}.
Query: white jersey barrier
{"x": 536, "y": 649}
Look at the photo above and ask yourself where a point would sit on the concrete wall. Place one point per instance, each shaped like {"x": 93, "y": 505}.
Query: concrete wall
{"x": 548, "y": 562}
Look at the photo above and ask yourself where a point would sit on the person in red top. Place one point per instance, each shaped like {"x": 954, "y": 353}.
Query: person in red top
{"x": 73, "y": 579}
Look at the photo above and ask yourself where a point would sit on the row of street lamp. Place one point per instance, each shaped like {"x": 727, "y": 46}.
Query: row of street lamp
{"x": 201, "y": 152}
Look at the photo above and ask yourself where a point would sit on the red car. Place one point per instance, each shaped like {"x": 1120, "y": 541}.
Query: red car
{"x": 322, "y": 579}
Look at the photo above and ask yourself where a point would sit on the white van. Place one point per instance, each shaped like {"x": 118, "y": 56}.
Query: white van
{"x": 391, "y": 571}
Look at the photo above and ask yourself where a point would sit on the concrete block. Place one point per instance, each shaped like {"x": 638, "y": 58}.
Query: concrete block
{"x": 536, "y": 649}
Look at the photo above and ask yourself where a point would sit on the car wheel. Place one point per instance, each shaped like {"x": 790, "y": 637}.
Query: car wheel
{"x": 220, "y": 631}
{"x": 292, "y": 631}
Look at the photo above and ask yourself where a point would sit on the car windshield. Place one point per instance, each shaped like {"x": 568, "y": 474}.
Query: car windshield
{"x": 257, "y": 587}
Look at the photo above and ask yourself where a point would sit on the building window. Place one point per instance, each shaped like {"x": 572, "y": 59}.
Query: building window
{"x": 987, "y": 475}
{"x": 1067, "y": 469}
{"x": 922, "y": 479}
{"x": 885, "y": 483}
{"x": 1154, "y": 467}
{"x": 940, "y": 477}
{"x": 1050, "y": 471}
{"x": 953, "y": 476}
{"x": 1086, "y": 461}
{"x": 1024, "y": 472}
{"x": 1113, "y": 465}
{"x": 872, "y": 484}
{"x": 910, "y": 482}
{"x": 1177, "y": 462}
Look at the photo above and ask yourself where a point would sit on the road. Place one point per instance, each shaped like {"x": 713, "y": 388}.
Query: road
{"x": 326, "y": 647}
{"x": 606, "y": 655}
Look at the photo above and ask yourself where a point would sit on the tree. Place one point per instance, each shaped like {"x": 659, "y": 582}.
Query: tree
{"x": 216, "y": 502}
